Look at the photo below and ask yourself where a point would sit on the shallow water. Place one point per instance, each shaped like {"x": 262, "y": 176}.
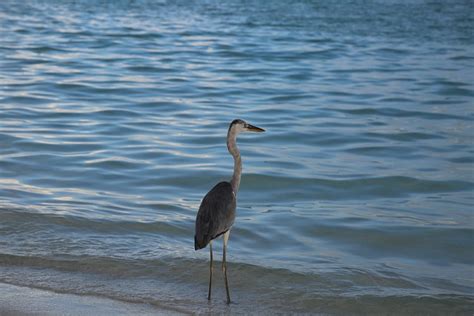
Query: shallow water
{"x": 357, "y": 199}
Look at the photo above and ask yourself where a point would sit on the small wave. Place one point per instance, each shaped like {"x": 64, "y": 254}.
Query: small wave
{"x": 465, "y": 159}
{"x": 132, "y": 35}
{"x": 456, "y": 91}
{"x": 363, "y": 188}
{"x": 24, "y": 100}
{"x": 407, "y": 136}
{"x": 38, "y": 220}
{"x": 392, "y": 112}
{"x": 462, "y": 58}
{"x": 387, "y": 241}
{"x": 46, "y": 49}
{"x": 88, "y": 89}
{"x": 386, "y": 151}
{"x": 391, "y": 52}
{"x": 151, "y": 69}
{"x": 56, "y": 146}
{"x": 116, "y": 113}
{"x": 119, "y": 163}
{"x": 182, "y": 283}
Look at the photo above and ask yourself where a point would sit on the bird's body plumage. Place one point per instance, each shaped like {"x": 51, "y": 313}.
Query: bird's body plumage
{"x": 216, "y": 214}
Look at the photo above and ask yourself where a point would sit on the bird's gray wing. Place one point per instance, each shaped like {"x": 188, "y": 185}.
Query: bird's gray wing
{"x": 216, "y": 214}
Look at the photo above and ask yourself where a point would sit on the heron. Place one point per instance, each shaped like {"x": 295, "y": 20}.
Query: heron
{"x": 216, "y": 214}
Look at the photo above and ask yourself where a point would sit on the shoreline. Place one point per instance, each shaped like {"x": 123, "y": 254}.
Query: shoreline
{"x": 21, "y": 300}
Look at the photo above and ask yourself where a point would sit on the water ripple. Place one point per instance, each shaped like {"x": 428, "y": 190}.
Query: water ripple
{"x": 356, "y": 200}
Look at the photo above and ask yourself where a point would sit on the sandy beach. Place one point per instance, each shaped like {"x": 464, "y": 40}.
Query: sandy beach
{"x": 18, "y": 300}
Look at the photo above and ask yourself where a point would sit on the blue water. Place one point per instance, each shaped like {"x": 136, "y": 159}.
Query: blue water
{"x": 357, "y": 199}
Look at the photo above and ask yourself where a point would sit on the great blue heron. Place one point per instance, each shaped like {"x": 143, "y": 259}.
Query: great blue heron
{"x": 216, "y": 214}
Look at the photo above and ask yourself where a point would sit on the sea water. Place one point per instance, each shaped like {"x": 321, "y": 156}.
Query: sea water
{"x": 357, "y": 199}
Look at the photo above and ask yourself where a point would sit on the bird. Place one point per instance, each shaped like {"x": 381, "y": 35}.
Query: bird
{"x": 216, "y": 213}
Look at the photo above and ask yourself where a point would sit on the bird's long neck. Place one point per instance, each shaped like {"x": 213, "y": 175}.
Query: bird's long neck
{"x": 234, "y": 151}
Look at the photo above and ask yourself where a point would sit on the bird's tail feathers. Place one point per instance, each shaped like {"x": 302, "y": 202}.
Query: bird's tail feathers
{"x": 199, "y": 244}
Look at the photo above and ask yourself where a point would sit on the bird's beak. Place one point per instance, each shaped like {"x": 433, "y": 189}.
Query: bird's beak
{"x": 252, "y": 128}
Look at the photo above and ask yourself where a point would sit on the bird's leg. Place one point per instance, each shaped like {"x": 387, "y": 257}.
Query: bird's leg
{"x": 224, "y": 265}
{"x": 210, "y": 272}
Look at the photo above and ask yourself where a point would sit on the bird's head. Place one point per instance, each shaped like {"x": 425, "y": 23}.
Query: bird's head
{"x": 238, "y": 126}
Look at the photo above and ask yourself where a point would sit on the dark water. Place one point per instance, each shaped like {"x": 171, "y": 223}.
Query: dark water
{"x": 357, "y": 200}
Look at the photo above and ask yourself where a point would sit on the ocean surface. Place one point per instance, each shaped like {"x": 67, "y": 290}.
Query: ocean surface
{"x": 358, "y": 198}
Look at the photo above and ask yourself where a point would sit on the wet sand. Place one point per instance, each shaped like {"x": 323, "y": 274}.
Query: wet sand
{"x": 19, "y": 300}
